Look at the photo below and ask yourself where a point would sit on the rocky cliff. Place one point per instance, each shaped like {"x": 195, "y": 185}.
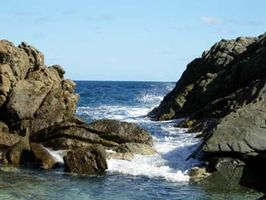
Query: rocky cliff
{"x": 223, "y": 94}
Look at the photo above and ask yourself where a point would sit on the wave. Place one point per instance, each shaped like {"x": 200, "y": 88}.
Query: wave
{"x": 149, "y": 98}
{"x": 149, "y": 166}
{"x": 112, "y": 112}
{"x": 172, "y": 144}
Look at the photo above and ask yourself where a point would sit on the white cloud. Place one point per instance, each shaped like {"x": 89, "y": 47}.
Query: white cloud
{"x": 210, "y": 20}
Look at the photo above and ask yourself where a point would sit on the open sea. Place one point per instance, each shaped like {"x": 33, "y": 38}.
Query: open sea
{"x": 160, "y": 176}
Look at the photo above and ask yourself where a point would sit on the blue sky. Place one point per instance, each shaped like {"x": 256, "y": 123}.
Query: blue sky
{"x": 127, "y": 39}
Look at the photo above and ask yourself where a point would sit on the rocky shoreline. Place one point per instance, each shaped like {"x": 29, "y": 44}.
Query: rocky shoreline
{"x": 223, "y": 95}
{"x": 38, "y": 106}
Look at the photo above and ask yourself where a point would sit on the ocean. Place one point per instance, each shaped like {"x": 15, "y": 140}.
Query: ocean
{"x": 160, "y": 176}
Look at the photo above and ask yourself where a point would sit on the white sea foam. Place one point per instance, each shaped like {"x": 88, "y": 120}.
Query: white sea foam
{"x": 149, "y": 98}
{"x": 150, "y": 166}
{"x": 169, "y": 161}
{"x": 172, "y": 144}
{"x": 58, "y": 155}
{"x": 114, "y": 112}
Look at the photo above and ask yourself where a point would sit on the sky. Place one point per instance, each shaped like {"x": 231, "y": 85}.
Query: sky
{"x": 127, "y": 40}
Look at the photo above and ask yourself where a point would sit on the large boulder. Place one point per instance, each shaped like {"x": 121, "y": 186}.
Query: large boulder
{"x": 86, "y": 160}
{"x": 32, "y": 94}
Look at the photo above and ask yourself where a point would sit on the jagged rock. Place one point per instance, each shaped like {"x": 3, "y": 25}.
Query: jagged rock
{"x": 86, "y": 160}
{"x": 36, "y": 58}
{"x": 43, "y": 157}
{"x": 223, "y": 94}
{"x": 217, "y": 83}
{"x": 31, "y": 94}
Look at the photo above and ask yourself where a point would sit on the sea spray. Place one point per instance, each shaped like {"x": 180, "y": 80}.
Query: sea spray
{"x": 172, "y": 144}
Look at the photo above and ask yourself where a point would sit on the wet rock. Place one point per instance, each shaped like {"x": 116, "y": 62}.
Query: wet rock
{"x": 197, "y": 174}
{"x": 86, "y": 160}
{"x": 43, "y": 157}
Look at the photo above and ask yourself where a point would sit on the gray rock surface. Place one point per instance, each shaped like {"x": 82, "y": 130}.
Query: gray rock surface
{"x": 86, "y": 160}
{"x": 218, "y": 82}
{"x": 223, "y": 94}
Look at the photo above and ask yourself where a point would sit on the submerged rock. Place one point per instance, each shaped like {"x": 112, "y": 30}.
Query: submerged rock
{"x": 86, "y": 160}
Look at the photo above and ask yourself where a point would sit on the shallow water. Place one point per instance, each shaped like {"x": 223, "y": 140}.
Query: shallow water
{"x": 160, "y": 176}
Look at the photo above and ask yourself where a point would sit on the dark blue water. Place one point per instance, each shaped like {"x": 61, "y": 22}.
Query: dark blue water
{"x": 161, "y": 176}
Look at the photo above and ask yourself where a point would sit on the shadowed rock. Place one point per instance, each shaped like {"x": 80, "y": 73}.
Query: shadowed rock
{"x": 86, "y": 160}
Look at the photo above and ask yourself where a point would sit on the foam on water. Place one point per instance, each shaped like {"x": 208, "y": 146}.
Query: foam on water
{"x": 172, "y": 144}
{"x": 149, "y": 98}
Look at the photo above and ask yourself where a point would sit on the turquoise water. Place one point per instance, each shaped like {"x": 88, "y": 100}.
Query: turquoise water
{"x": 37, "y": 185}
{"x": 161, "y": 176}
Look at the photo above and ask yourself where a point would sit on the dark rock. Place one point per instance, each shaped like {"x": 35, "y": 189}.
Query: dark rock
{"x": 218, "y": 82}
{"x": 223, "y": 94}
{"x": 86, "y": 160}
{"x": 242, "y": 131}
{"x": 231, "y": 174}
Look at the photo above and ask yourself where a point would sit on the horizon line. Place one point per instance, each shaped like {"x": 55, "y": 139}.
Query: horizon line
{"x": 125, "y": 81}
